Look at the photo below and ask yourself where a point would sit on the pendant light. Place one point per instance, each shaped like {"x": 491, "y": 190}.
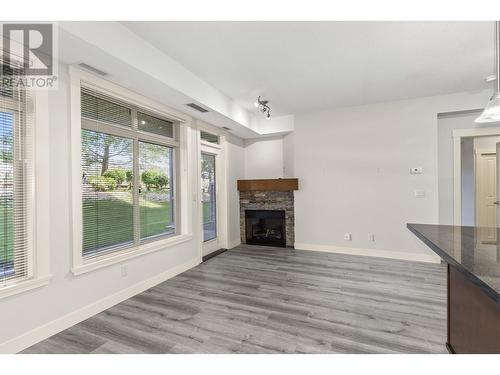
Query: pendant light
{"x": 492, "y": 111}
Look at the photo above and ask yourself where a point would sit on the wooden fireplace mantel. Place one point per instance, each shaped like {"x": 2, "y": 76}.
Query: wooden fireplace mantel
{"x": 275, "y": 184}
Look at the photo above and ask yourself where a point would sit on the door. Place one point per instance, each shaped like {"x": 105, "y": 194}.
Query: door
{"x": 486, "y": 186}
{"x": 209, "y": 193}
{"x": 498, "y": 195}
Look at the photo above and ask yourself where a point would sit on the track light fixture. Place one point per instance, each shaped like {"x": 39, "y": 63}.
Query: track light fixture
{"x": 492, "y": 111}
{"x": 263, "y": 107}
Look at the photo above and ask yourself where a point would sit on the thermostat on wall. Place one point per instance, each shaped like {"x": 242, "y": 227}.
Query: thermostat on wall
{"x": 416, "y": 170}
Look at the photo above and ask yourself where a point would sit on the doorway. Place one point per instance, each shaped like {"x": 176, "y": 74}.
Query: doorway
{"x": 212, "y": 192}
{"x": 479, "y": 202}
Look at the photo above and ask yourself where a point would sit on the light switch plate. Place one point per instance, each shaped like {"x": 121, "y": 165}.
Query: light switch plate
{"x": 419, "y": 193}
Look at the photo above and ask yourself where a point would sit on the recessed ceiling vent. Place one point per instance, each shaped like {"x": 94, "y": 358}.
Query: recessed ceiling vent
{"x": 197, "y": 107}
{"x": 92, "y": 69}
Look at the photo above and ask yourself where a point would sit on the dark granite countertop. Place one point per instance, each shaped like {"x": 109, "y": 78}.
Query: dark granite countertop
{"x": 457, "y": 246}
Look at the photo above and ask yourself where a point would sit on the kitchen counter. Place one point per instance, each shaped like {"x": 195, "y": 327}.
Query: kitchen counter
{"x": 456, "y": 246}
{"x": 473, "y": 275}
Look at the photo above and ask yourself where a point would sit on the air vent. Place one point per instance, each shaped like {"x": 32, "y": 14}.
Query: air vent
{"x": 92, "y": 69}
{"x": 197, "y": 107}
{"x": 226, "y": 128}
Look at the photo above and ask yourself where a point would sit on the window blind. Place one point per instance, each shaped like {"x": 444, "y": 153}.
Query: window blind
{"x": 16, "y": 181}
{"x": 127, "y": 175}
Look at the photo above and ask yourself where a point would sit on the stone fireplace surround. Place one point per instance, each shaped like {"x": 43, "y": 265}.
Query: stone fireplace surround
{"x": 276, "y": 194}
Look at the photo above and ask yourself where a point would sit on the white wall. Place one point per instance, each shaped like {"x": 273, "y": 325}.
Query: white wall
{"x": 264, "y": 158}
{"x": 468, "y": 181}
{"x": 486, "y": 143}
{"x": 353, "y": 165}
{"x": 235, "y": 171}
{"x": 288, "y": 155}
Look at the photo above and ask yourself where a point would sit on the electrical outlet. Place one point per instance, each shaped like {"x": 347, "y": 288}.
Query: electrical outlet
{"x": 347, "y": 237}
{"x": 124, "y": 271}
{"x": 371, "y": 237}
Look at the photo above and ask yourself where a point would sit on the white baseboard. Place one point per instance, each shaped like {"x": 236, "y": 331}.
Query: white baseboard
{"x": 38, "y": 334}
{"x": 234, "y": 243}
{"x": 399, "y": 255}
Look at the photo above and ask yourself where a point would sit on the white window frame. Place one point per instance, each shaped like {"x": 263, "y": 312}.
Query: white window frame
{"x": 81, "y": 265}
{"x": 38, "y": 213}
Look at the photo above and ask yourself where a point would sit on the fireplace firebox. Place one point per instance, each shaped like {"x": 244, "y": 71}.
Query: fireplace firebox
{"x": 265, "y": 227}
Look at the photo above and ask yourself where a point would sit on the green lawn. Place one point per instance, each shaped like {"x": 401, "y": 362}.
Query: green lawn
{"x": 110, "y": 222}
{"x": 206, "y": 212}
{"x": 6, "y": 231}
{"x": 105, "y": 223}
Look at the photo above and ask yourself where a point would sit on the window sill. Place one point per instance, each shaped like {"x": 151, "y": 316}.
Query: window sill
{"x": 147, "y": 248}
{"x": 24, "y": 286}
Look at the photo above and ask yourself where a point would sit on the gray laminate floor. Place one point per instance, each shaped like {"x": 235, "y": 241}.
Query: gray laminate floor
{"x": 269, "y": 300}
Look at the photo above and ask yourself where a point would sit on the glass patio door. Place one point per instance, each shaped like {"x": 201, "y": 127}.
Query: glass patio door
{"x": 209, "y": 196}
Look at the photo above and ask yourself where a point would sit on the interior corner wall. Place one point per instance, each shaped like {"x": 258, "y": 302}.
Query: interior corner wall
{"x": 264, "y": 158}
{"x": 288, "y": 153}
{"x": 354, "y": 170}
{"x": 235, "y": 171}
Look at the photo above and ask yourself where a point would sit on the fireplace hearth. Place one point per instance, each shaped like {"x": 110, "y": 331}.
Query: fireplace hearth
{"x": 265, "y": 227}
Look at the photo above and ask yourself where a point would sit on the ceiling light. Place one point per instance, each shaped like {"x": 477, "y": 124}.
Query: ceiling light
{"x": 491, "y": 112}
{"x": 263, "y": 107}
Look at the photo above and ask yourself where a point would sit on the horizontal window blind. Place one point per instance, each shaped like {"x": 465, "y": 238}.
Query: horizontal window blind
{"x": 16, "y": 156}
{"x": 97, "y": 107}
{"x": 127, "y": 176}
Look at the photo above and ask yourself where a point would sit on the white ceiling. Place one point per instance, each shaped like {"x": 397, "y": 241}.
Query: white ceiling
{"x": 304, "y": 66}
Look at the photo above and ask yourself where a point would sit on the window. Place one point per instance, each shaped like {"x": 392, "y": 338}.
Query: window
{"x": 16, "y": 185}
{"x": 107, "y": 200}
{"x": 128, "y": 176}
{"x": 156, "y": 196}
{"x": 208, "y": 137}
{"x": 155, "y": 125}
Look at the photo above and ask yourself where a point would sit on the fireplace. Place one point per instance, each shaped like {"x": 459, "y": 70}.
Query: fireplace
{"x": 267, "y": 210}
{"x": 265, "y": 227}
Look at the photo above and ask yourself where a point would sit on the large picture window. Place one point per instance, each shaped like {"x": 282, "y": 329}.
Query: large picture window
{"x": 128, "y": 175}
{"x": 16, "y": 184}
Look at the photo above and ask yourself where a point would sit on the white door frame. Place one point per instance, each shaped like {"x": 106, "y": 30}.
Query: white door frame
{"x": 458, "y": 134}
{"x": 219, "y": 150}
